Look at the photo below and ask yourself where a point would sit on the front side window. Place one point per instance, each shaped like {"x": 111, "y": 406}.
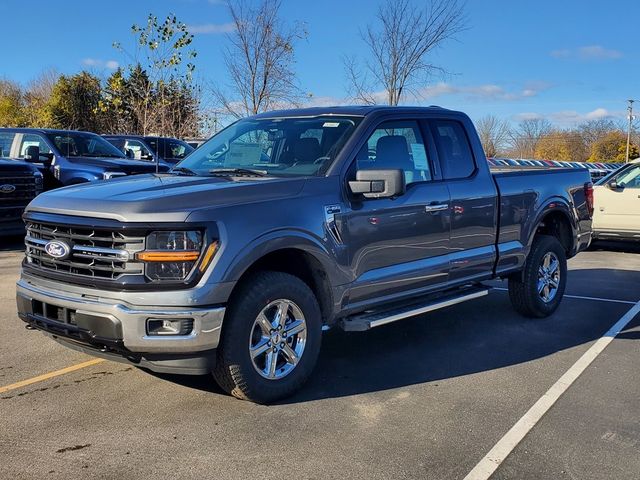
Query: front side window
{"x": 397, "y": 145}
{"x": 453, "y": 148}
{"x": 629, "y": 178}
{"x": 6, "y": 141}
{"x": 33, "y": 140}
{"x": 82, "y": 144}
{"x": 279, "y": 146}
{"x": 138, "y": 150}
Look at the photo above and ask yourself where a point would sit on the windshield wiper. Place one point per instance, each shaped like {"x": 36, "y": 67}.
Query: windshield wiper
{"x": 184, "y": 171}
{"x": 239, "y": 172}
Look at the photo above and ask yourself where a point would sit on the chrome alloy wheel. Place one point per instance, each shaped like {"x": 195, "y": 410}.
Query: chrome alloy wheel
{"x": 277, "y": 339}
{"x": 548, "y": 277}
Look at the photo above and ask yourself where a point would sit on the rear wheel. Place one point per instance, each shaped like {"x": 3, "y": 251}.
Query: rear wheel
{"x": 270, "y": 340}
{"x": 538, "y": 291}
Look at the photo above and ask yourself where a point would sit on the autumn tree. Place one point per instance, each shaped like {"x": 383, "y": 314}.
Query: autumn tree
{"x": 612, "y": 148}
{"x": 493, "y": 133}
{"x": 37, "y": 96}
{"x": 74, "y": 103}
{"x": 11, "y": 104}
{"x": 259, "y": 59}
{"x": 399, "y": 44}
{"x": 525, "y": 137}
{"x": 563, "y": 145}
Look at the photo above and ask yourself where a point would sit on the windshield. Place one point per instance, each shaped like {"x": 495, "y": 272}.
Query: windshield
{"x": 278, "y": 146}
{"x": 82, "y": 144}
{"x": 169, "y": 148}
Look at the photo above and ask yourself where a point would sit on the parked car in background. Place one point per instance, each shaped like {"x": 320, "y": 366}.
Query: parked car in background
{"x": 617, "y": 204}
{"x": 195, "y": 142}
{"x": 20, "y": 182}
{"x": 288, "y": 222}
{"x": 163, "y": 151}
{"x": 68, "y": 157}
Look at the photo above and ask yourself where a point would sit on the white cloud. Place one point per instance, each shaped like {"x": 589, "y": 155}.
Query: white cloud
{"x": 484, "y": 92}
{"x": 566, "y": 118}
{"x": 96, "y": 62}
{"x": 598, "y": 52}
{"x": 211, "y": 28}
{"x": 589, "y": 52}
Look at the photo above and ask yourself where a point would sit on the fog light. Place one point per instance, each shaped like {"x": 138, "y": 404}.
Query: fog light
{"x": 170, "y": 326}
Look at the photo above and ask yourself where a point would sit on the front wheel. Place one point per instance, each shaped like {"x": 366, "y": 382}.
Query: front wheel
{"x": 270, "y": 339}
{"x": 538, "y": 291}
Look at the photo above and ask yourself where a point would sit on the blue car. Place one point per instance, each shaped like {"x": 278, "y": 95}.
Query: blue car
{"x": 69, "y": 157}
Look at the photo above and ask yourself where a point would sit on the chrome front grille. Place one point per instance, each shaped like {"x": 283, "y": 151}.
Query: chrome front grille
{"x": 97, "y": 253}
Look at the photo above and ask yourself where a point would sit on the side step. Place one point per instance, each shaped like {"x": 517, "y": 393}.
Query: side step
{"x": 371, "y": 319}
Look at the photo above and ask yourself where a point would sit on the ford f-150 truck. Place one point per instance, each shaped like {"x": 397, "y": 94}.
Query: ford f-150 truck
{"x": 288, "y": 223}
{"x": 20, "y": 183}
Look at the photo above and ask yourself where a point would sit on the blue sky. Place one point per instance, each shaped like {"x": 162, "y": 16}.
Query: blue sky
{"x": 566, "y": 60}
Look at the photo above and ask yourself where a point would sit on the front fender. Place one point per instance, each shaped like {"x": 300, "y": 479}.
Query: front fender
{"x": 280, "y": 240}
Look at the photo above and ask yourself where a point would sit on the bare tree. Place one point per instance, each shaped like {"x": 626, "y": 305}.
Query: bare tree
{"x": 494, "y": 134}
{"x": 399, "y": 45}
{"x": 594, "y": 130}
{"x": 525, "y": 137}
{"x": 259, "y": 60}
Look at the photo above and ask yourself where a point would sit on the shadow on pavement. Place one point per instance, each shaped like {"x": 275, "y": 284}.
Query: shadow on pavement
{"x": 612, "y": 246}
{"x": 470, "y": 338}
{"x": 13, "y": 243}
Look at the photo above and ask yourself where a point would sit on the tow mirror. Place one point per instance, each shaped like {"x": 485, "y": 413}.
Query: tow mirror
{"x": 378, "y": 183}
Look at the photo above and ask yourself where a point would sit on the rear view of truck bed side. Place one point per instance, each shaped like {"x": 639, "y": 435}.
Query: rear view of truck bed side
{"x": 553, "y": 202}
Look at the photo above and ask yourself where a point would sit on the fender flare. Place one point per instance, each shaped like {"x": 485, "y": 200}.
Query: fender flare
{"x": 280, "y": 240}
{"x": 552, "y": 205}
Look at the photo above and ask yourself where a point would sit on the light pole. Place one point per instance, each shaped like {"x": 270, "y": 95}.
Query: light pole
{"x": 630, "y": 110}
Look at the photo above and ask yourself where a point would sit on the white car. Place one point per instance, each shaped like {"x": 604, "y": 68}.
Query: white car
{"x": 616, "y": 213}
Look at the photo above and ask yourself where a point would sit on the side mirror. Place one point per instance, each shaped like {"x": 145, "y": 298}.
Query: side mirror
{"x": 613, "y": 185}
{"x": 378, "y": 183}
{"x": 32, "y": 154}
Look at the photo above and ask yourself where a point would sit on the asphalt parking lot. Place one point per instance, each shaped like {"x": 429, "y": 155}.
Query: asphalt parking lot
{"x": 424, "y": 398}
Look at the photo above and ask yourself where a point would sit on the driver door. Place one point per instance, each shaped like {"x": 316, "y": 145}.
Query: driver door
{"x": 618, "y": 209}
{"x": 398, "y": 246}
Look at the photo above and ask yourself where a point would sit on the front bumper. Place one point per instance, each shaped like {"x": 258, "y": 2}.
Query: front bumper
{"x": 105, "y": 327}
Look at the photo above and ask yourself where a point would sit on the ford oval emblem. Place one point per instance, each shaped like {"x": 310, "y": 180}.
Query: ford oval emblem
{"x": 7, "y": 188}
{"x": 57, "y": 249}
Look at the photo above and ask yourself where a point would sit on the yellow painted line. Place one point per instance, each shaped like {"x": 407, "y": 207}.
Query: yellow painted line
{"x": 47, "y": 376}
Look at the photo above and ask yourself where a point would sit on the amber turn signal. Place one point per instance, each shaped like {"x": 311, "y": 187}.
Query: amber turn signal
{"x": 168, "y": 256}
{"x": 208, "y": 255}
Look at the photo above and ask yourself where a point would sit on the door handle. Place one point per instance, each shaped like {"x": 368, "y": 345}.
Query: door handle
{"x": 438, "y": 207}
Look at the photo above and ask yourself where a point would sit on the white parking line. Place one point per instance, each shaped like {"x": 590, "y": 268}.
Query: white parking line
{"x": 492, "y": 460}
{"x": 582, "y": 297}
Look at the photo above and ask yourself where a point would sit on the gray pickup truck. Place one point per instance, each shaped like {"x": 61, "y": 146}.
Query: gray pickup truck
{"x": 288, "y": 223}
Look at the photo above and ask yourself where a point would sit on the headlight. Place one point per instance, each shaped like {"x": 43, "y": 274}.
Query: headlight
{"x": 39, "y": 182}
{"x": 172, "y": 255}
{"x": 110, "y": 175}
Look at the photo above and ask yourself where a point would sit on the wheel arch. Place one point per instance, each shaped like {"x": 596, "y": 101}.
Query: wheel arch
{"x": 300, "y": 256}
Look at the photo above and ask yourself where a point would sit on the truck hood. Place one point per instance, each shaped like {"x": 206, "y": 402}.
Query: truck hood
{"x": 130, "y": 167}
{"x": 160, "y": 198}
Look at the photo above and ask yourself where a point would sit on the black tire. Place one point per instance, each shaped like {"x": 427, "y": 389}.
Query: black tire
{"x": 234, "y": 370}
{"x": 523, "y": 287}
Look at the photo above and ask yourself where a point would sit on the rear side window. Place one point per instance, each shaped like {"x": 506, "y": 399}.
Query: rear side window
{"x": 453, "y": 149}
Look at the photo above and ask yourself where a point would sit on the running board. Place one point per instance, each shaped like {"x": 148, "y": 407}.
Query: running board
{"x": 369, "y": 320}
